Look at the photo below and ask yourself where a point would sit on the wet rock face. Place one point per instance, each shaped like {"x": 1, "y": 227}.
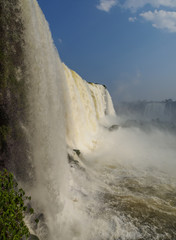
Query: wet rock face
{"x": 13, "y": 102}
{"x": 33, "y": 237}
{"x": 75, "y": 159}
{"x": 77, "y": 151}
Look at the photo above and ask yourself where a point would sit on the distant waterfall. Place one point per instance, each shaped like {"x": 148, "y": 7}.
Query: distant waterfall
{"x": 155, "y": 110}
{"x": 164, "y": 111}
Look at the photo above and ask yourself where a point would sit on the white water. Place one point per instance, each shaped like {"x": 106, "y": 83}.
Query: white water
{"x": 88, "y": 104}
{"x": 88, "y": 199}
{"x": 46, "y": 130}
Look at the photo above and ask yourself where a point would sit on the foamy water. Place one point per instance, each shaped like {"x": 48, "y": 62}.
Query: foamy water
{"x": 133, "y": 185}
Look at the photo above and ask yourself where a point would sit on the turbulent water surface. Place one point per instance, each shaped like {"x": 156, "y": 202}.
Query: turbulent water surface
{"x": 134, "y": 172}
{"x": 92, "y": 176}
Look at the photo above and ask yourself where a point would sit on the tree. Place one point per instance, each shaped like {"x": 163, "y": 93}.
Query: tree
{"x": 12, "y": 208}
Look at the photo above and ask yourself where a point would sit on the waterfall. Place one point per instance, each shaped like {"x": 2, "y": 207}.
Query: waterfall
{"x": 46, "y": 117}
{"x": 163, "y": 111}
{"x": 63, "y": 111}
{"x": 89, "y": 103}
{"x": 87, "y": 180}
{"x": 109, "y": 108}
{"x": 155, "y": 110}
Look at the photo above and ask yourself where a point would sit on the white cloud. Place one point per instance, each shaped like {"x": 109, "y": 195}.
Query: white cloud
{"x": 132, "y": 19}
{"x": 106, "y": 5}
{"x": 161, "y": 19}
{"x": 136, "y": 4}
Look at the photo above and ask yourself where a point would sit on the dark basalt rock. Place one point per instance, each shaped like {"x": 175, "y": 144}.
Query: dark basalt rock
{"x": 77, "y": 151}
{"x": 75, "y": 159}
{"x": 98, "y": 84}
{"x": 33, "y": 237}
{"x": 114, "y": 127}
{"x": 72, "y": 160}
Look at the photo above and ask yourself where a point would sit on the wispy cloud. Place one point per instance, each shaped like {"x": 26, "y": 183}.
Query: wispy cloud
{"x": 134, "y": 5}
{"x": 106, "y": 5}
{"x": 137, "y": 4}
{"x": 161, "y": 19}
{"x": 132, "y": 19}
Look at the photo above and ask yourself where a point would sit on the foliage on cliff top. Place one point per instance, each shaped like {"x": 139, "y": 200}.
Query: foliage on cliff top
{"x": 12, "y": 208}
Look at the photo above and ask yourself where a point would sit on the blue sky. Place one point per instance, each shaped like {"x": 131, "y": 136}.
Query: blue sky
{"x": 129, "y": 45}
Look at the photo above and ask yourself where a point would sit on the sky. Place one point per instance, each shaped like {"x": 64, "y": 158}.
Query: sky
{"x": 128, "y": 45}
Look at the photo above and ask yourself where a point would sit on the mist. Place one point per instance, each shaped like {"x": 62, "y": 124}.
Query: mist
{"x": 149, "y": 150}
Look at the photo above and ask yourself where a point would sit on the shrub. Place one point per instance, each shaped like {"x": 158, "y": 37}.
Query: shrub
{"x": 12, "y": 208}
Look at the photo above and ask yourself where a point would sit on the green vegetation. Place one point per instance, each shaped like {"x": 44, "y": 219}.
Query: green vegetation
{"x": 12, "y": 208}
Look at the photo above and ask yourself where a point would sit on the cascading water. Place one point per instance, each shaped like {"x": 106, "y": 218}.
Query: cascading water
{"x": 163, "y": 111}
{"x": 155, "y": 111}
{"x": 46, "y": 126}
{"x": 88, "y": 182}
{"x": 89, "y": 103}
